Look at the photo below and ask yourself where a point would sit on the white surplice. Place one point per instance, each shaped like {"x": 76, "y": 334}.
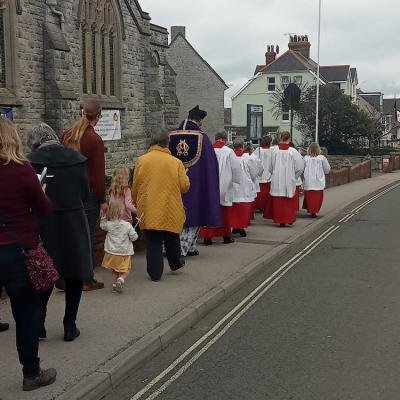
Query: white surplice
{"x": 230, "y": 172}
{"x": 314, "y": 173}
{"x": 246, "y": 190}
{"x": 286, "y": 168}
{"x": 265, "y": 156}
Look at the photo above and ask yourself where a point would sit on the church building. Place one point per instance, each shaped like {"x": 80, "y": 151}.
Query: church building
{"x": 55, "y": 54}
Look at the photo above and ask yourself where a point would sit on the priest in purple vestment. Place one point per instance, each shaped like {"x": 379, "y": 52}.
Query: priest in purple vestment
{"x": 195, "y": 150}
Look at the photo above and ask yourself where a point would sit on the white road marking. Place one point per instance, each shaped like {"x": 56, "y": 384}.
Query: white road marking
{"x": 237, "y": 312}
{"x": 247, "y": 303}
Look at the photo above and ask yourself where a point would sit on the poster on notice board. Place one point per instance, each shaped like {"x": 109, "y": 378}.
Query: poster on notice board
{"x": 109, "y": 126}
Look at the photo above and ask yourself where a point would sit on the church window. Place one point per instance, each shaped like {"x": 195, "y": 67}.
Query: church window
{"x": 7, "y": 53}
{"x": 101, "y": 37}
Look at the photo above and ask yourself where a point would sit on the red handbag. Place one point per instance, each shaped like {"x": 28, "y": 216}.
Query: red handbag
{"x": 41, "y": 269}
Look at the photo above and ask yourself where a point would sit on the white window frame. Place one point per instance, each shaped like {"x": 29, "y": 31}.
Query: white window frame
{"x": 285, "y": 81}
{"x": 270, "y": 84}
{"x": 298, "y": 80}
{"x": 284, "y": 113}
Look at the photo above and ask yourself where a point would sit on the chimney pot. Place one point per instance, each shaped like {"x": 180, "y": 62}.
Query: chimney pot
{"x": 301, "y": 45}
{"x": 271, "y": 53}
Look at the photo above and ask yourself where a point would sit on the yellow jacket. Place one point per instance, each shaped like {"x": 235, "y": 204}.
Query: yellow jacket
{"x": 158, "y": 183}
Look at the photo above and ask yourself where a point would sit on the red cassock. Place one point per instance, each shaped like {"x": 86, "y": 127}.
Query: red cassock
{"x": 267, "y": 206}
{"x": 297, "y": 197}
{"x": 284, "y": 210}
{"x": 225, "y": 231}
{"x": 241, "y": 215}
{"x": 313, "y": 200}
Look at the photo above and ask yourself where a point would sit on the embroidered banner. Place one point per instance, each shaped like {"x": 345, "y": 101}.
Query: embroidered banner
{"x": 186, "y": 145}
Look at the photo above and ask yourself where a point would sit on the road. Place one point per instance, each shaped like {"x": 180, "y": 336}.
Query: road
{"x": 325, "y": 327}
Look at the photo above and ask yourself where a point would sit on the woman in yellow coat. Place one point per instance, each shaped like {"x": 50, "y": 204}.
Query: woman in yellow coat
{"x": 158, "y": 184}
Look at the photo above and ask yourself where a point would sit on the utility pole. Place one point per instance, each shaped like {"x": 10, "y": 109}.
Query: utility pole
{"x": 318, "y": 74}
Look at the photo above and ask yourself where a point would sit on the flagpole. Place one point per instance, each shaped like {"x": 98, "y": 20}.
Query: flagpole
{"x": 318, "y": 74}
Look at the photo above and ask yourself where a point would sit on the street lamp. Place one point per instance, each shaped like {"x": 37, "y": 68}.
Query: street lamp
{"x": 318, "y": 74}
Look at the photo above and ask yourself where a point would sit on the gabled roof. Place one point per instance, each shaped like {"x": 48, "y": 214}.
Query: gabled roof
{"x": 374, "y": 99}
{"x": 179, "y": 35}
{"x": 388, "y": 105}
{"x": 288, "y": 61}
{"x": 335, "y": 73}
{"x": 353, "y": 75}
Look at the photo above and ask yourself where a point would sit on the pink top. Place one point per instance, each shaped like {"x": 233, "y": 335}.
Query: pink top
{"x": 126, "y": 202}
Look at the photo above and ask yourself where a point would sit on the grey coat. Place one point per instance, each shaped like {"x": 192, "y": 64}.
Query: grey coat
{"x": 65, "y": 233}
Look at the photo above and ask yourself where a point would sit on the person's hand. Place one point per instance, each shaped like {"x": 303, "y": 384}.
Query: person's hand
{"x": 104, "y": 208}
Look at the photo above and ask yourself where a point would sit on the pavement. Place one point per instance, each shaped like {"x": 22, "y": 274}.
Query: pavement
{"x": 328, "y": 329}
{"x": 121, "y": 332}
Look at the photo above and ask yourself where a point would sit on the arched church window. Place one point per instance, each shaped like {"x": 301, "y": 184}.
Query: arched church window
{"x": 7, "y": 51}
{"x": 101, "y": 36}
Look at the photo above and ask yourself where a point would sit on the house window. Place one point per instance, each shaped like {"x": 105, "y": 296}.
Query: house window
{"x": 8, "y": 68}
{"x": 285, "y": 80}
{"x": 298, "y": 80}
{"x": 285, "y": 115}
{"x": 271, "y": 84}
{"x": 101, "y": 34}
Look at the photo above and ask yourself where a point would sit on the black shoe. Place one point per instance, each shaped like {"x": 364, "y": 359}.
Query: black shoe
{"x": 71, "y": 332}
{"x": 282, "y": 225}
{"x": 182, "y": 264}
{"x": 4, "y": 327}
{"x": 192, "y": 253}
{"x": 46, "y": 377}
{"x": 235, "y": 231}
{"x": 314, "y": 215}
{"x": 60, "y": 285}
{"x": 42, "y": 334}
{"x": 228, "y": 240}
{"x": 242, "y": 233}
{"x": 208, "y": 242}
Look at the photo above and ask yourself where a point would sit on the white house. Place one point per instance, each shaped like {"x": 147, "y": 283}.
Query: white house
{"x": 253, "y": 105}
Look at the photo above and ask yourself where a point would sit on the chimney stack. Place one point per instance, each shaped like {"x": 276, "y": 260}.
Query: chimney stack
{"x": 271, "y": 53}
{"x": 300, "y": 44}
{"x": 176, "y": 30}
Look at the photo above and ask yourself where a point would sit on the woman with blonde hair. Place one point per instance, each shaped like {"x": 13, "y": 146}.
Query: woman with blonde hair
{"x": 120, "y": 193}
{"x": 83, "y": 138}
{"x": 317, "y": 166}
{"x": 22, "y": 202}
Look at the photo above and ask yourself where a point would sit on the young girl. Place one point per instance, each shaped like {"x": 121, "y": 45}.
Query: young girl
{"x": 120, "y": 193}
{"x": 317, "y": 166}
{"x": 118, "y": 245}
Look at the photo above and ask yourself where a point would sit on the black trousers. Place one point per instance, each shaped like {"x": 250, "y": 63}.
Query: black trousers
{"x": 154, "y": 252}
{"x": 25, "y": 305}
{"x": 92, "y": 211}
{"x": 73, "y": 294}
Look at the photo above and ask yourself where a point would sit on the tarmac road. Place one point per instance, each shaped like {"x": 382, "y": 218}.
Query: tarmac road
{"x": 326, "y": 328}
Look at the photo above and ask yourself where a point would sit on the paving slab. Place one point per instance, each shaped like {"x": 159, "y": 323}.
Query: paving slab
{"x": 121, "y": 330}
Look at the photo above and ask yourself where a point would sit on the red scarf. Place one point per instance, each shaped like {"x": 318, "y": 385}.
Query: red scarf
{"x": 219, "y": 144}
{"x": 283, "y": 146}
{"x": 239, "y": 152}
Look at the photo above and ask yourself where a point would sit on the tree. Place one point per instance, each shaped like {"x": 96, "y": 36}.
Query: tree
{"x": 343, "y": 127}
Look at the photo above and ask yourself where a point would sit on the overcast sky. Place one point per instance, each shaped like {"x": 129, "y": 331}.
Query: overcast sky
{"x": 232, "y": 35}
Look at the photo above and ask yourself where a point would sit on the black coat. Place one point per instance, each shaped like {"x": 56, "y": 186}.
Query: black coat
{"x": 65, "y": 233}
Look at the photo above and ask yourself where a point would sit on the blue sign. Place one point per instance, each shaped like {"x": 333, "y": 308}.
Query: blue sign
{"x": 7, "y": 112}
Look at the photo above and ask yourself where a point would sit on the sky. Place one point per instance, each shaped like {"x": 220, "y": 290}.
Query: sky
{"x": 232, "y": 35}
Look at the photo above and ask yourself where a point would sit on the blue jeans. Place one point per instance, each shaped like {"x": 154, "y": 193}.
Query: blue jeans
{"x": 25, "y": 305}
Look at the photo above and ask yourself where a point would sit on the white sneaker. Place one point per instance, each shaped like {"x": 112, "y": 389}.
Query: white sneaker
{"x": 114, "y": 288}
{"x": 119, "y": 286}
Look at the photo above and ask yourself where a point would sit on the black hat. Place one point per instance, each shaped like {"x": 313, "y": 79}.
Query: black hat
{"x": 197, "y": 114}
